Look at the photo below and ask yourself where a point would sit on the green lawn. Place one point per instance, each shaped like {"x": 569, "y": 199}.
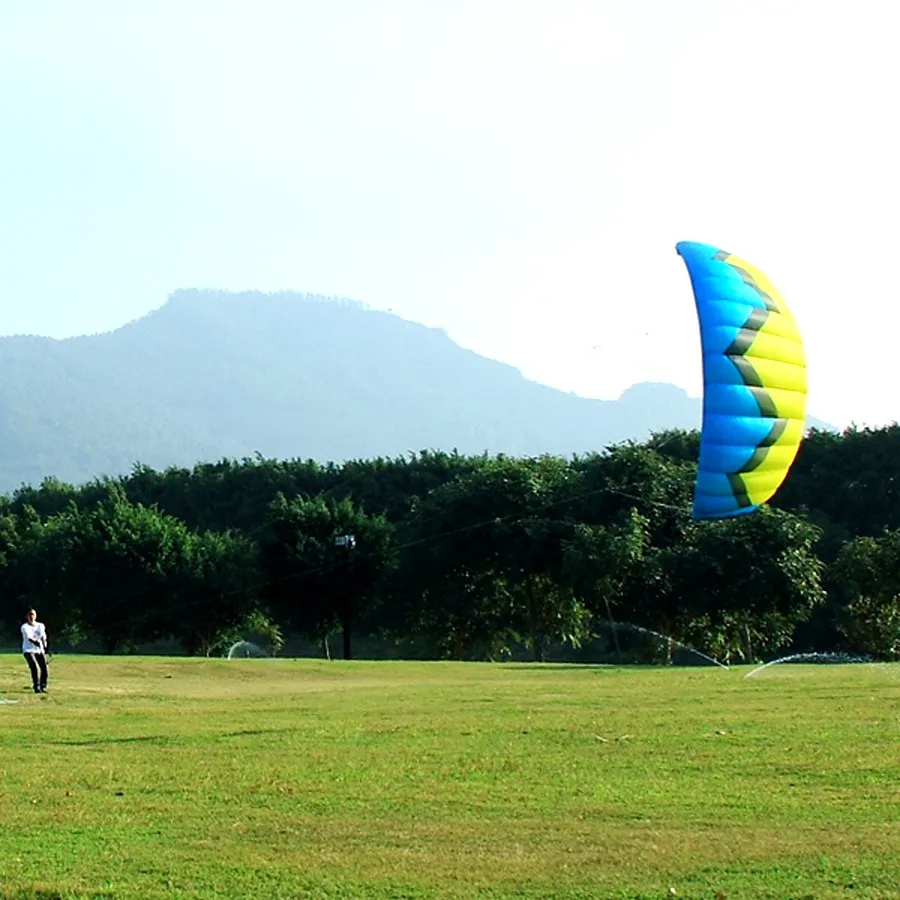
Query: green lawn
{"x": 143, "y": 778}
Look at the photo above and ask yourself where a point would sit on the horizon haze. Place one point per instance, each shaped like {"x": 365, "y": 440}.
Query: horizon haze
{"x": 515, "y": 172}
{"x": 216, "y": 375}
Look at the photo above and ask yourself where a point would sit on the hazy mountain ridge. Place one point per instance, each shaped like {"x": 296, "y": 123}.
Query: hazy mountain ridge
{"x": 213, "y": 374}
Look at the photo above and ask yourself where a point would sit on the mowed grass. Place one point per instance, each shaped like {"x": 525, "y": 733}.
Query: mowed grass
{"x": 156, "y": 777}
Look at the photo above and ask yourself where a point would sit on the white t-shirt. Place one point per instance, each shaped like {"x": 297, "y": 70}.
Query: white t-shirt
{"x": 36, "y": 632}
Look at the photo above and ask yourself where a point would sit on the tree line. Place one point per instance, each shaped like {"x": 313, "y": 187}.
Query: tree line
{"x": 445, "y": 555}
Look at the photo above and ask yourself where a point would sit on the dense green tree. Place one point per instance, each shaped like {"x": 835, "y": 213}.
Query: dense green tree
{"x": 676, "y": 444}
{"x": 216, "y": 589}
{"x": 868, "y": 573}
{"x": 635, "y": 477}
{"x": 743, "y": 585}
{"x": 119, "y": 566}
{"x": 496, "y": 551}
{"x": 50, "y": 497}
{"x": 392, "y": 486}
{"x": 315, "y": 581}
{"x": 39, "y": 568}
{"x": 13, "y": 587}
{"x": 851, "y": 480}
{"x": 599, "y": 563}
{"x": 486, "y": 557}
{"x": 227, "y": 494}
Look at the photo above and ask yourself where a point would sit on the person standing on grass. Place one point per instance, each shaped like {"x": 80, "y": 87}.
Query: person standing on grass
{"x": 34, "y": 649}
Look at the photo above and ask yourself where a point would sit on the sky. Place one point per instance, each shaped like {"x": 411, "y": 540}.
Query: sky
{"x": 512, "y": 171}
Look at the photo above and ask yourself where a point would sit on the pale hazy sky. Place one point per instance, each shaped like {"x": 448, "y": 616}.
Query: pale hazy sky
{"x": 515, "y": 172}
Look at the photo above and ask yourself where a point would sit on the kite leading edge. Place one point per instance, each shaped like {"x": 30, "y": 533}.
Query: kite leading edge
{"x": 754, "y": 383}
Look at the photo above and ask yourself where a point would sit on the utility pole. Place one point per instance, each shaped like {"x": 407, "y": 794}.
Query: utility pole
{"x": 345, "y": 544}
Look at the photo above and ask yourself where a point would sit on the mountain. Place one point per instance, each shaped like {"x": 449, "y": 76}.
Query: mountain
{"x": 215, "y": 374}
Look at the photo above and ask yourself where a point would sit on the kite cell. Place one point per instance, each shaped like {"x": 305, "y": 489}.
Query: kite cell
{"x": 754, "y": 383}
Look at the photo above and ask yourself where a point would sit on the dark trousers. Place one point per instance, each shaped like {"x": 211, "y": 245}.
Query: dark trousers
{"x": 37, "y": 662}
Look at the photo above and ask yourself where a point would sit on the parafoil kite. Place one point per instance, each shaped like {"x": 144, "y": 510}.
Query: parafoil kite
{"x": 754, "y": 383}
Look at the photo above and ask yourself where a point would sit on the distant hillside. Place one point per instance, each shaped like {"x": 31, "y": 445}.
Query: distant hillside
{"x": 287, "y": 375}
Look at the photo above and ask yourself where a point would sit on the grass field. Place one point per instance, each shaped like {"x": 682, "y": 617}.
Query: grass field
{"x": 159, "y": 777}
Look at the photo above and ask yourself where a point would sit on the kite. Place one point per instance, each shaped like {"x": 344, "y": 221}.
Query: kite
{"x": 754, "y": 383}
